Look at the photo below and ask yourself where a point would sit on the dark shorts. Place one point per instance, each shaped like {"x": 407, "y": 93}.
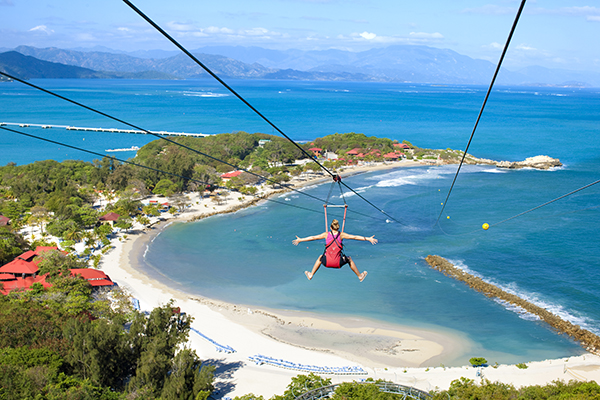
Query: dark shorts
{"x": 343, "y": 260}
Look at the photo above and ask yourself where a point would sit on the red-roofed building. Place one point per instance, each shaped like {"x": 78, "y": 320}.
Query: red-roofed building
{"x": 4, "y": 220}
{"x": 9, "y": 285}
{"x": 354, "y": 151}
{"x": 316, "y": 151}
{"x": 231, "y": 174}
{"x": 393, "y": 156}
{"x": 22, "y": 272}
{"x": 93, "y": 276}
{"x": 111, "y": 218}
{"x": 25, "y": 264}
{"x": 402, "y": 145}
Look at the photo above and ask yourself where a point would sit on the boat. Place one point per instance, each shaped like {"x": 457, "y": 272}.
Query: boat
{"x": 132, "y": 148}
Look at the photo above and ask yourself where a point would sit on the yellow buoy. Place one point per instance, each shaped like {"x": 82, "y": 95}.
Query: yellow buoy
{"x": 448, "y": 217}
{"x": 486, "y": 226}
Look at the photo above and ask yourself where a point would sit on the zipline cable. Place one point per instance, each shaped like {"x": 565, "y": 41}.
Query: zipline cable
{"x": 222, "y": 82}
{"x": 530, "y": 210}
{"x": 236, "y": 94}
{"x": 146, "y": 167}
{"x": 546, "y": 203}
{"x": 512, "y": 30}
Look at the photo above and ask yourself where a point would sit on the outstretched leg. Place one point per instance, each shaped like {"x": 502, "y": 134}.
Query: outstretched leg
{"x": 361, "y": 276}
{"x": 310, "y": 275}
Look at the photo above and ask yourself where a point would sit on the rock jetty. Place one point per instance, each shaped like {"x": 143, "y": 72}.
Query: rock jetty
{"x": 587, "y": 339}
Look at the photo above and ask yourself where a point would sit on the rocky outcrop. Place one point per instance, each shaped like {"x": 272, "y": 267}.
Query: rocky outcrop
{"x": 587, "y": 339}
{"x": 537, "y": 162}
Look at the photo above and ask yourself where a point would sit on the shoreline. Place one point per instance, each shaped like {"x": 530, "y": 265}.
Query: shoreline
{"x": 384, "y": 350}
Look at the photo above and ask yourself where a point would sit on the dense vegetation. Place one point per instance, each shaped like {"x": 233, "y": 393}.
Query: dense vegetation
{"x": 460, "y": 389}
{"x": 69, "y": 342}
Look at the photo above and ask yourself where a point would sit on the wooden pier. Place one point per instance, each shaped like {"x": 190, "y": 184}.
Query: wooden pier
{"x": 110, "y": 130}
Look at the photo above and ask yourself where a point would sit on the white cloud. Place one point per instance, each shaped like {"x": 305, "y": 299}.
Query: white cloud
{"x": 494, "y": 45}
{"x": 216, "y": 30}
{"x": 368, "y": 35}
{"x": 181, "y": 27}
{"x": 595, "y": 18}
{"x": 525, "y": 47}
{"x": 424, "y": 35}
{"x": 412, "y": 38}
{"x": 41, "y": 28}
{"x": 123, "y": 29}
{"x": 255, "y": 32}
{"x": 222, "y": 33}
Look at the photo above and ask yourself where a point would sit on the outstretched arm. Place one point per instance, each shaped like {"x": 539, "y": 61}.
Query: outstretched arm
{"x": 309, "y": 238}
{"x": 370, "y": 239}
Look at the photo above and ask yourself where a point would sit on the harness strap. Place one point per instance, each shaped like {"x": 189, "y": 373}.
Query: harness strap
{"x": 343, "y": 220}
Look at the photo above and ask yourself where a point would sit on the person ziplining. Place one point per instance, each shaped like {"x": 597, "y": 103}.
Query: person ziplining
{"x": 333, "y": 256}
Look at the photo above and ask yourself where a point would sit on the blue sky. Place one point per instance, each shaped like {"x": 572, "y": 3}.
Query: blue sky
{"x": 551, "y": 33}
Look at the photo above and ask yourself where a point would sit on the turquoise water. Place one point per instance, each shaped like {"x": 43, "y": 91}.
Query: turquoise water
{"x": 549, "y": 256}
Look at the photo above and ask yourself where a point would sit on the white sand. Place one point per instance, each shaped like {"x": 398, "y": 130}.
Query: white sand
{"x": 384, "y": 352}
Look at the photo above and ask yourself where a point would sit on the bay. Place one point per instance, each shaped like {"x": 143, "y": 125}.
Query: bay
{"x": 549, "y": 256}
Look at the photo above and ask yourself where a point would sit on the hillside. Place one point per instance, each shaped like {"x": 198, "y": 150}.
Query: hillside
{"x": 400, "y": 63}
{"x": 27, "y": 67}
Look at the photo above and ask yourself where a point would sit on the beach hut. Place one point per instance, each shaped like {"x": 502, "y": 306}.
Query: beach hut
{"x": 109, "y": 218}
{"x": 95, "y": 277}
{"x": 316, "y": 151}
{"x": 230, "y": 175}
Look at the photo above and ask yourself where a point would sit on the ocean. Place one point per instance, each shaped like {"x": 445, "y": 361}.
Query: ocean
{"x": 549, "y": 256}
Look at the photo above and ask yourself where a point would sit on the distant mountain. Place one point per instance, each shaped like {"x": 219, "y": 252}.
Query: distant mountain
{"x": 546, "y": 76}
{"x": 27, "y": 67}
{"x": 401, "y": 63}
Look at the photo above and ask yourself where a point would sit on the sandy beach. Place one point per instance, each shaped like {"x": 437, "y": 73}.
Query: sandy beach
{"x": 404, "y": 355}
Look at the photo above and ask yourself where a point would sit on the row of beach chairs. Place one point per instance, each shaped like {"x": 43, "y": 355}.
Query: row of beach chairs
{"x": 220, "y": 347}
{"x": 350, "y": 370}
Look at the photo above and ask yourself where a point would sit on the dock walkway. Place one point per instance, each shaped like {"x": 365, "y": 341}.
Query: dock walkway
{"x": 110, "y": 130}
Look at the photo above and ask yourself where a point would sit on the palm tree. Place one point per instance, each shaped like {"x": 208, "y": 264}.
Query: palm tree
{"x": 74, "y": 234}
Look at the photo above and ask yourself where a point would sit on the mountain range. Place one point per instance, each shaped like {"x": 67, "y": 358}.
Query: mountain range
{"x": 401, "y": 63}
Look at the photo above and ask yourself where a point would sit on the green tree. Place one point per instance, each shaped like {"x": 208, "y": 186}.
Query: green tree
{"x": 154, "y": 343}
{"x": 12, "y": 245}
{"x": 301, "y": 384}
{"x": 151, "y": 210}
{"x": 186, "y": 379}
{"x": 124, "y": 223}
{"x": 165, "y": 187}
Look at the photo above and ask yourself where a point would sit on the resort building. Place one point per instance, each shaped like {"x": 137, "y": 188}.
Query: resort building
{"x": 316, "y": 151}
{"x": 230, "y": 175}
{"x": 110, "y": 218}
{"x": 4, "y": 220}
{"x": 22, "y": 272}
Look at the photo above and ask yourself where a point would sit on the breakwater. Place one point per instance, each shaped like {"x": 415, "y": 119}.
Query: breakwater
{"x": 587, "y": 339}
